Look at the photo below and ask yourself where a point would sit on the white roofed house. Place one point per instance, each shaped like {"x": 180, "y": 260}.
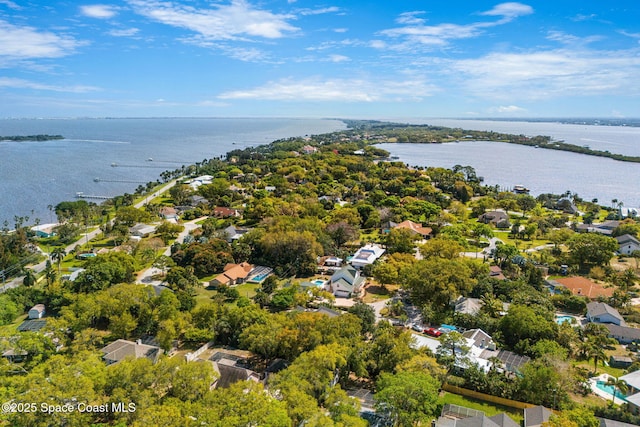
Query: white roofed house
{"x": 37, "y": 311}
{"x": 366, "y": 255}
{"x": 345, "y": 282}
{"x": 633, "y": 394}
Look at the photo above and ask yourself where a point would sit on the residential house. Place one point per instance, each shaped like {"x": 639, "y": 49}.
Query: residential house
{"x": 345, "y": 282}
{"x": 629, "y": 212}
{"x": 581, "y": 286}
{"x": 604, "y": 422}
{"x": 332, "y": 261}
{"x": 142, "y": 230}
{"x": 196, "y": 200}
{"x": 169, "y": 213}
{"x": 599, "y": 312}
{"x": 309, "y": 149}
{"x": 567, "y": 206}
{"x": 623, "y": 334}
{"x": 233, "y": 274}
{"x": 633, "y": 393}
{"x": 367, "y": 255}
{"x": 536, "y": 416}
{"x": 622, "y": 362}
{"x": 387, "y": 226}
{"x": 470, "y": 306}
{"x": 37, "y": 311}
{"x": 194, "y": 183}
{"x": 224, "y": 212}
{"x": 232, "y": 233}
{"x": 628, "y": 244}
{"x": 121, "y": 349}
{"x": 231, "y": 369}
{"x": 44, "y": 230}
{"x": 460, "y": 416}
{"x": 498, "y": 218}
{"x": 605, "y": 228}
{"x": 424, "y": 232}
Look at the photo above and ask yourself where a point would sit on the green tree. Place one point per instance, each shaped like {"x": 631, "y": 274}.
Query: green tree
{"x": 589, "y": 249}
{"x": 400, "y": 240}
{"x": 58, "y": 254}
{"x": 407, "y": 398}
{"x": 618, "y": 386}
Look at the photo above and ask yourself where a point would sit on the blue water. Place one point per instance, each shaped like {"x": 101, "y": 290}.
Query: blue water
{"x": 562, "y": 319}
{"x": 610, "y": 389}
{"x": 319, "y": 282}
{"x": 34, "y": 175}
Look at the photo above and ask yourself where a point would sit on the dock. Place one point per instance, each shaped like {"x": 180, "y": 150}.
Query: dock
{"x": 81, "y": 195}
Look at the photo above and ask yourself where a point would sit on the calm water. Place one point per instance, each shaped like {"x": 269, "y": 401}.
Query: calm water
{"x": 34, "y": 175}
{"x": 616, "y": 139}
{"x": 542, "y": 171}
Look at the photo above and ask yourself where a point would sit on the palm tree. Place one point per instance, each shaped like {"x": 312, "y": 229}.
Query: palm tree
{"x": 58, "y": 255}
{"x": 597, "y": 353}
{"x": 29, "y": 278}
{"x": 618, "y": 385}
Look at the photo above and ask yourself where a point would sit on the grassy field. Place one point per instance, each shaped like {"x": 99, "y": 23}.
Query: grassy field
{"x": 489, "y": 409}
{"x": 12, "y": 328}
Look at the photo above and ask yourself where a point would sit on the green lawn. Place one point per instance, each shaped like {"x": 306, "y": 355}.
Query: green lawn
{"x": 12, "y": 328}
{"x": 489, "y": 409}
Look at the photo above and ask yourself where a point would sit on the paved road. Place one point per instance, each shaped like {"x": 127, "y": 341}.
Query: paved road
{"x": 145, "y": 276}
{"x": 38, "y": 268}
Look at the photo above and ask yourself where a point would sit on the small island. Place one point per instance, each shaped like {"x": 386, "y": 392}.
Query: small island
{"x": 20, "y": 138}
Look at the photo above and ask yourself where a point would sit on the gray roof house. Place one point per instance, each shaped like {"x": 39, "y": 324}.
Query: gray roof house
{"x": 599, "y": 312}
{"x": 604, "y": 422}
{"x": 623, "y": 334}
{"x": 534, "y": 417}
{"x": 460, "y": 416}
{"x": 498, "y": 218}
{"x": 345, "y": 282}
{"x": 469, "y": 306}
{"x": 628, "y": 244}
{"x": 37, "y": 311}
{"x": 119, "y": 350}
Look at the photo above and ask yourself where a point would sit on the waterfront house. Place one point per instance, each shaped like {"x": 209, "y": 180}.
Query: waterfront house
{"x": 424, "y": 232}
{"x": 599, "y": 312}
{"x": 628, "y": 244}
{"x": 629, "y": 212}
{"x": 37, "y": 311}
{"x": 121, "y": 349}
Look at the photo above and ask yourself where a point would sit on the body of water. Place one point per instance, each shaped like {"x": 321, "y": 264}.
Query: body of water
{"x": 540, "y": 170}
{"x": 34, "y": 175}
{"x": 616, "y": 139}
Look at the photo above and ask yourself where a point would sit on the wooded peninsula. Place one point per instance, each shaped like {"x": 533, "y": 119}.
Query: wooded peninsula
{"x": 20, "y": 138}
{"x": 427, "y": 134}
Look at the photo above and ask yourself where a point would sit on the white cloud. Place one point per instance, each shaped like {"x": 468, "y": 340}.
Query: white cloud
{"x": 343, "y": 90}
{"x": 332, "y": 9}
{"x": 415, "y": 32}
{"x": 338, "y": 58}
{"x": 510, "y": 10}
{"x": 340, "y": 30}
{"x": 10, "y": 4}
{"x": 507, "y": 109}
{"x": 127, "y": 32}
{"x": 99, "y": 11}
{"x": 410, "y": 18}
{"x": 570, "y": 39}
{"x": 25, "y": 84}
{"x": 27, "y": 42}
{"x": 233, "y": 21}
{"x": 548, "y": 74}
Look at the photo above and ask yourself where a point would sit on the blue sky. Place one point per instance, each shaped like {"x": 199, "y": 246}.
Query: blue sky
{"x": 299, "y": 58}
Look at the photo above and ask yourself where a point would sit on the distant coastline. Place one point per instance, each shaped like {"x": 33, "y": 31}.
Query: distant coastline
{"x": 21, "y": 138}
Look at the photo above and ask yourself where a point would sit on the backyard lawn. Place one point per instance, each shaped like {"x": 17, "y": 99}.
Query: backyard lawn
{"x": 489, "y": 409}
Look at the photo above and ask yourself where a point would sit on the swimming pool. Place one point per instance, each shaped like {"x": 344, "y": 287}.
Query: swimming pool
{"x": 609, "y": 390}
{"x": 259, "y": 278}
{"x": 319, "y": 283}
{"x": 562, "y": 319}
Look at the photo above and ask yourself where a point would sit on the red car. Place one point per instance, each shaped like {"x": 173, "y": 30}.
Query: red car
{"x": 433, "y": 332}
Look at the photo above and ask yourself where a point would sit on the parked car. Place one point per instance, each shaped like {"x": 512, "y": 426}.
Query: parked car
{"x": 433, "y": 332}
{"x": 416, "y": 328}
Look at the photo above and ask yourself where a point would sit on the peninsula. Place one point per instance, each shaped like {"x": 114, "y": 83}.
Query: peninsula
{"x": 386, "y": 132}
{"x": 20, "y": 138}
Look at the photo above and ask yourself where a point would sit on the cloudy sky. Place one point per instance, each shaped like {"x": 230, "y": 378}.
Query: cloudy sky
{"x": 301, "y": 58}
